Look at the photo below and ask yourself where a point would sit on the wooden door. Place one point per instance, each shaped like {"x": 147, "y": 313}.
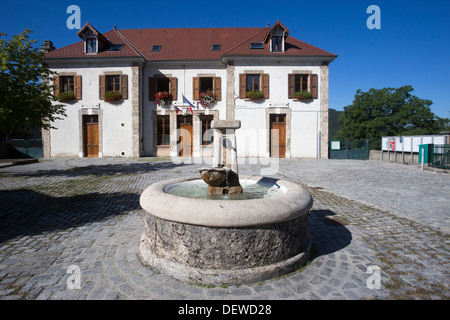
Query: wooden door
{"x": 186, "y": 136}
{"x": 91, "y": 138}
{"x": 186, "y": 140}
{"x": 278, "y": 135}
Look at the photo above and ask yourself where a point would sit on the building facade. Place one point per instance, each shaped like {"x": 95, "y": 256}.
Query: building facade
{"x": 154, "y": 92}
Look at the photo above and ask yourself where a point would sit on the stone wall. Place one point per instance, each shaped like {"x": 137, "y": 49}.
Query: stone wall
{"x": 397, "y": 157}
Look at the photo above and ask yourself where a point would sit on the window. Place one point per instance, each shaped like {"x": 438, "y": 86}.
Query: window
{"x": 301, "y": 82}
{"x": 257, "y": 45}
{"x": 207, "y": 132}
{"x": 206, "y": 84}
{"x": 252, "y": 82}
{"x": 216, "y": 47}
{"x": 163, "y": 130}
{"x": 278, "y": 118}
{"x": 183, "y": 120}
{"x": 116, "y": 47}
{"x": 162, "y": 84}
{"x": 113, "y": 83}
{"x": 277, "y": 44}
{"x": 66, "y": 84}
{"x": 91, "y": 45}
{"x": 156, "y": 48}
{"x": 159, "y": 84}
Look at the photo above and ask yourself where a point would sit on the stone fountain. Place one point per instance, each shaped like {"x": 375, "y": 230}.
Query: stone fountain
{"x": 218, "y": 230}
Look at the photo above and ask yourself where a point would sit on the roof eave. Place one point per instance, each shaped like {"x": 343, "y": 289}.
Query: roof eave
{"x": 90, "y": 59}
{"x": 272, "y": 58}
{"x": 186, "y": 61}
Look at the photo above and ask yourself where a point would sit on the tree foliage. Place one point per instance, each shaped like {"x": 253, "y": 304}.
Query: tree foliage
{"x": 388, "y": 112}
{"x": 25, "y": 91}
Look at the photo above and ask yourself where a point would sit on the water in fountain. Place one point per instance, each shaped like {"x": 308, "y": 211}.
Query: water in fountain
{"x": 198, "y": 189}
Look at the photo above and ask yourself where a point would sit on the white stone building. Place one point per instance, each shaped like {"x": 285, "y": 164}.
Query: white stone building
{"x": 231, "y": 64}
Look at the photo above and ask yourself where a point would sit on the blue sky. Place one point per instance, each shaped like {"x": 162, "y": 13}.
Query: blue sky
{"x": 412, "y": 47}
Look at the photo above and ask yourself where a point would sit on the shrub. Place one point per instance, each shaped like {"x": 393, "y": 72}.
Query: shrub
{"x": 111, "y": 96}
{"x": 303, "y": 95}
{"x": 255, "y": 95}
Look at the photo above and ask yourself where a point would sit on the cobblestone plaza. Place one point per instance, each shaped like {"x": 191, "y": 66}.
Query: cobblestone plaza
{"x": 369, "y": 219}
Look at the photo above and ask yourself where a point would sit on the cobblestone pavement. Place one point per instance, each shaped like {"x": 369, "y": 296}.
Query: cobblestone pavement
{"x": 85, "y": 213}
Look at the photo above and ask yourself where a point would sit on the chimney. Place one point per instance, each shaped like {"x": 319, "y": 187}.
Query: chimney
{"x": 47, "y": 46}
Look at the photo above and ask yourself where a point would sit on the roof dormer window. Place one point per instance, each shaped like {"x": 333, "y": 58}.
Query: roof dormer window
{"x": 91, "y": 45}
{"x": 94, "y": 41}
{"x": 277, "y": 44}
{"x": 276, "y": 37}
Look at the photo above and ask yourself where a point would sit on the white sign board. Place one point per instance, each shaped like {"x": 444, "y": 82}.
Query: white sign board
{"x": 335, "y": 145}
{"x": 409, "y": 143}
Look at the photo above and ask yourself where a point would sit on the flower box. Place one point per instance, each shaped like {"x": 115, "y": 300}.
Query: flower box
{"x": 303, "y": 95}
{"x": 111, "y": 96}
{"x": 254, "y": 95}
{"x": 66, "y": 96}
{"x": 206, "y": 98}
{"x": 163, "y": 98}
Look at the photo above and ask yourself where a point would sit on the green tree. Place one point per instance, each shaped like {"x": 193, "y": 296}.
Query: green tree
{"x": 25, "y": 91}
{"x": 387, "y": 112}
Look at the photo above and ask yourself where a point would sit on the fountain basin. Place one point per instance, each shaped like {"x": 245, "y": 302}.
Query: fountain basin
{"x": 225, "y": 241}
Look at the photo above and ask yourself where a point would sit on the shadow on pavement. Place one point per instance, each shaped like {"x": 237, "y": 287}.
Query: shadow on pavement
{"x": 27, "y": 212}
{"x": 327, "y": 235}
{"x": 100, "y": 170}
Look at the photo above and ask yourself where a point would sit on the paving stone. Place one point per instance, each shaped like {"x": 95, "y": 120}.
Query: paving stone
{"x": 86, "y": 212}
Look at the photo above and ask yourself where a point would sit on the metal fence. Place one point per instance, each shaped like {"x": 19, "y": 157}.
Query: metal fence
{"x": 441, "y": 156}
{"x": 27, "y": 148}
{"x": 349, "y": 149}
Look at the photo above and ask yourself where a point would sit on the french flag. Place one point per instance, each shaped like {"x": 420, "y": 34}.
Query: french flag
{"x": 187, "y": 102}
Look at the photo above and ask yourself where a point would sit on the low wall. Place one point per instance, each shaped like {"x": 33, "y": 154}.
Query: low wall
{"x": 397, "y": 157}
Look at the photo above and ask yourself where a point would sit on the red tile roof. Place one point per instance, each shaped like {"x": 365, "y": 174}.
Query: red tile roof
{"x": 190, "y": 44}
{"x": 76, "y": 50}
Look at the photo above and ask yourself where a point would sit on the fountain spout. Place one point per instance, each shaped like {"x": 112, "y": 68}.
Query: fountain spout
{"x": 221, "y": 180}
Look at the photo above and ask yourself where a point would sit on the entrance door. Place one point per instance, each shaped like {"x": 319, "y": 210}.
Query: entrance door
{"x": 186, "y": 136}
{"x": 91, "y": 141}
{"x": 278, "y": 135}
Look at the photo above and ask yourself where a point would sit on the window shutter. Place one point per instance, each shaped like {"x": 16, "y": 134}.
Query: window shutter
{"x": 124, "y": 86}
{"x": 77, "y": 86}
{"x": 291, "y": 86}
{"x": 314, "y": 89}
{"x": 218, "y": 88}
{"x": 242, "y": 82}
{"x": 265, "y": 85}
{"x": 102, "y": 85}
{"x": 151, "y": 89}
{"x": 196, "y": 88}
{"x": 173, "y": 87}
{"x": 56, "y": 84}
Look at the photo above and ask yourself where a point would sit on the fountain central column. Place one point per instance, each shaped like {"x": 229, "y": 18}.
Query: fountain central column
{"x": 223, "y": 178}
{"x": 225, "y": 153}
